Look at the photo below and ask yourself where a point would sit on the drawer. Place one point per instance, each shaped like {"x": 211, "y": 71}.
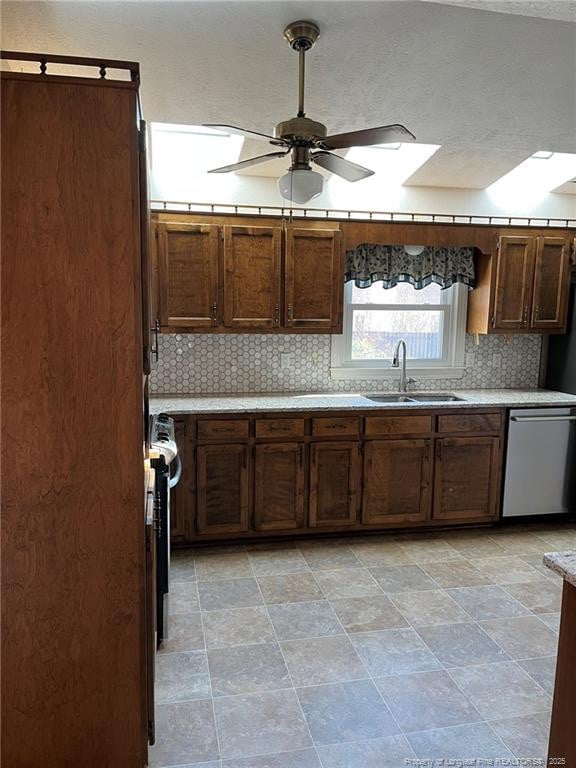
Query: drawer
{"x": 470, "y": 422}
{"x": 398, "y": 425}
{"x": 347, "y": 426}
{"x": 280, "y": 428}
{"x": 222, "y": 429}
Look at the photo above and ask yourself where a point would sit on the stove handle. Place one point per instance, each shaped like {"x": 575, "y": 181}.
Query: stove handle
{"x": 175, "y": 479}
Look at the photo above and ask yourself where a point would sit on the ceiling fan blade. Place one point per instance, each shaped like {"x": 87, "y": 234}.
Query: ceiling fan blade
{"x": 340, "y": 166}
{"x": 245, "y": 132}
{"x": 249, "y": 162}
{"x": 386, "y": 134}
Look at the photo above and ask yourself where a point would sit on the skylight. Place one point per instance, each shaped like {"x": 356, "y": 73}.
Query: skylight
{"x": 534, "y": 177}
{"x": 182, "y": 154}
{"x": 392, "y": 164}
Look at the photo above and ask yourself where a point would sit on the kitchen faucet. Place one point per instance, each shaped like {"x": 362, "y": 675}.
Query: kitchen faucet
{"x": 404, "y": 380}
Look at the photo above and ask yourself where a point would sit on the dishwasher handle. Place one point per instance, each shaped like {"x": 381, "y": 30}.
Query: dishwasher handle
{"x": 542, "y": 418}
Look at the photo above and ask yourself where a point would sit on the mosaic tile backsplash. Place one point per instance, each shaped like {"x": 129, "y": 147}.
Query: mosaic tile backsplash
{"x": 228, "y": 364}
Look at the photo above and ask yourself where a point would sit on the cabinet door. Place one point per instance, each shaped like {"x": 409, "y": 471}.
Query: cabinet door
{"x": 466, "y": 478}
{"x": 512, "y": 293}
{"x": 252, "y": 277}
{"x": 188, "y": 275}
{"x": 182, "y": 495}
{"x": 314, "y": 286}
{"x": 396, "y": 482}
{"x": 222, "y": 488}
{"x": 551, "y": 284}
{"x": 279, "y": 486}
{"x": 334, "y": 475}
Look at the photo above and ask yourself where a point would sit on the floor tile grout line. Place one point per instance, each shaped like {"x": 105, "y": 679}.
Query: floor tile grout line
{"x": 216, "y": 731}
{"x": 305, "y": 721}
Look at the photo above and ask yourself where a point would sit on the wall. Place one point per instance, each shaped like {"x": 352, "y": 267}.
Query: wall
{"x": 222, "y": 363}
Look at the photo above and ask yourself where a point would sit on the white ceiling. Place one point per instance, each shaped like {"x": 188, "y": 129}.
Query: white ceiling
{"x": 491, "y": 88}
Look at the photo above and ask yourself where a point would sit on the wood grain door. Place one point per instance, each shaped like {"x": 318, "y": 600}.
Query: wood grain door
{"x": 222, "y": 498}
{"x": 279, "y": 486}
{"x": 334, "y": 481}
{"x": 314, "y": 283}
{"x": 551, "y": 284}
{"x": 512, "y": 290}
{"x": 252, "y": 277}
{"x": 188, "y": 275}
{"x": 466, "y": 478}
{"x": 182, "y": 495}
{"x": 396, "y": 482}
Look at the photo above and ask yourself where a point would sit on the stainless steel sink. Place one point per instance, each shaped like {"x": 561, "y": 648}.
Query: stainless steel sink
{"x": 423, "y": 397}
{"x": 389, "y": 398}
{"x": 436, "y": 398}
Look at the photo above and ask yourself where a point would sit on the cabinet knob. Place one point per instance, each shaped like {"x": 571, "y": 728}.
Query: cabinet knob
{"x": 290, "y": 312}
{"x": 525, "y": 316}
{"x": 214, "y": 313}
{"x": 277, "y": 314}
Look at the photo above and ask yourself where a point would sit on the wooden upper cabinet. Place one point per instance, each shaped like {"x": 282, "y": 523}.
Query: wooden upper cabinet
{"x": 314, "y": 279}
{"x": 396, "y": 482}
{"x": 513, "y": 283}
{"x": 279, "y": 486}
{"x": 223, "y": 490}
{"x": 188, "y": 275}
{"x": 334, "y": 481}
{"x": 522, "y": 287}
{"x": 466, "y": 478}
{"x": 252, "y": 277}
{"x": 551, "y": 284}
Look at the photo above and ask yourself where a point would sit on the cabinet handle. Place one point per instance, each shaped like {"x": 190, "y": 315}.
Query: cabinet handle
{"x": 525, "y": 315}
{"x": 537, "y": 314}
{"x": 301, "y": 455}
{"x": 155, "y": 331}
{"x": 214, "y": 313}
{"x": 245, "y": 458}
{"x": 290, "y": 312}
{"x": 277, "y": 314}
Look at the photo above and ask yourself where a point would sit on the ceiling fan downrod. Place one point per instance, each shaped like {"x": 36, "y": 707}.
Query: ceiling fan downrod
{"x": 301, "y": 36}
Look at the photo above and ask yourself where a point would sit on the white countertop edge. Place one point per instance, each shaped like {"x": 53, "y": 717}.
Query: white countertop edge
{"x": 295, "y": 401}
{"x": 563, "y": 563}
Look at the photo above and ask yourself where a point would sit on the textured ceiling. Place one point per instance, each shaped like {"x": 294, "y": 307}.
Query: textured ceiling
{"x": 560, "y": 10}
{"x": 478, "y": 83}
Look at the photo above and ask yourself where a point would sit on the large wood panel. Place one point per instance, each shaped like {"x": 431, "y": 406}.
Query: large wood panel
{"x": 73, "y": 547}
{"x": 222, "y": 488}
{"x": 279, "y": 486}
{"x": 466, "y": 478}
{"x": 334, "y": 479}
{"x": 188, "y": 275}
{"x": 512, "y": 289}
{"x": 551, "y": 284}
{"x": 396, "y": 482}
{"x": 562, "y": 746}
{"x": 252, "y": 277}
{"x": 314, "y": 279}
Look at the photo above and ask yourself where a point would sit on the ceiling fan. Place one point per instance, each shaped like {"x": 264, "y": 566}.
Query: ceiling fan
{"x": 307, "y": 140}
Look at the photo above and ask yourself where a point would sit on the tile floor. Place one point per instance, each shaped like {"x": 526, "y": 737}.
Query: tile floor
{"x": 376, "y": 652}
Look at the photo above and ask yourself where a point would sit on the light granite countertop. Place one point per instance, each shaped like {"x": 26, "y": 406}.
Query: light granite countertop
{"x": 563, "y": 563}
{"x": 294, "y": 401}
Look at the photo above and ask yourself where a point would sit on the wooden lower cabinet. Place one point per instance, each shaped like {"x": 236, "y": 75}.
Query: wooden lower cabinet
{"x": 466, "y": 478}
{"x": 279, "y": 486}
{"x": 396, "y": 482}
{"x": 334, "y": 481}
{"x": 223, "y": 489}
{"x": 255, "y": 476}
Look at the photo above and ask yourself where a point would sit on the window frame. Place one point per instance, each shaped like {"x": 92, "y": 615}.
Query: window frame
{"x": 451, "y": 366}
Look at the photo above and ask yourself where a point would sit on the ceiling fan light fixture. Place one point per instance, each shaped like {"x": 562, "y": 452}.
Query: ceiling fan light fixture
{"x": 300, "y": 185}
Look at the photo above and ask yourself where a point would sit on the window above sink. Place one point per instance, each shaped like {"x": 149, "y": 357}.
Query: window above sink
{"x": 431, "y": 320}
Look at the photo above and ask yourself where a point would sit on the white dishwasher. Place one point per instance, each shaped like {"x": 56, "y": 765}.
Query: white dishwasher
{"x": 540, "y": 476}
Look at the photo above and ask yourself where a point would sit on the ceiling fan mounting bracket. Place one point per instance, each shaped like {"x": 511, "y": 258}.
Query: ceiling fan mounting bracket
{"x": 301, "y": 35}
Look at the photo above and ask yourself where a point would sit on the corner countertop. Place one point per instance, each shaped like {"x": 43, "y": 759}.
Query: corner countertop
{"x": 563, "y": 563}
{"x": 294, "y": 401}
